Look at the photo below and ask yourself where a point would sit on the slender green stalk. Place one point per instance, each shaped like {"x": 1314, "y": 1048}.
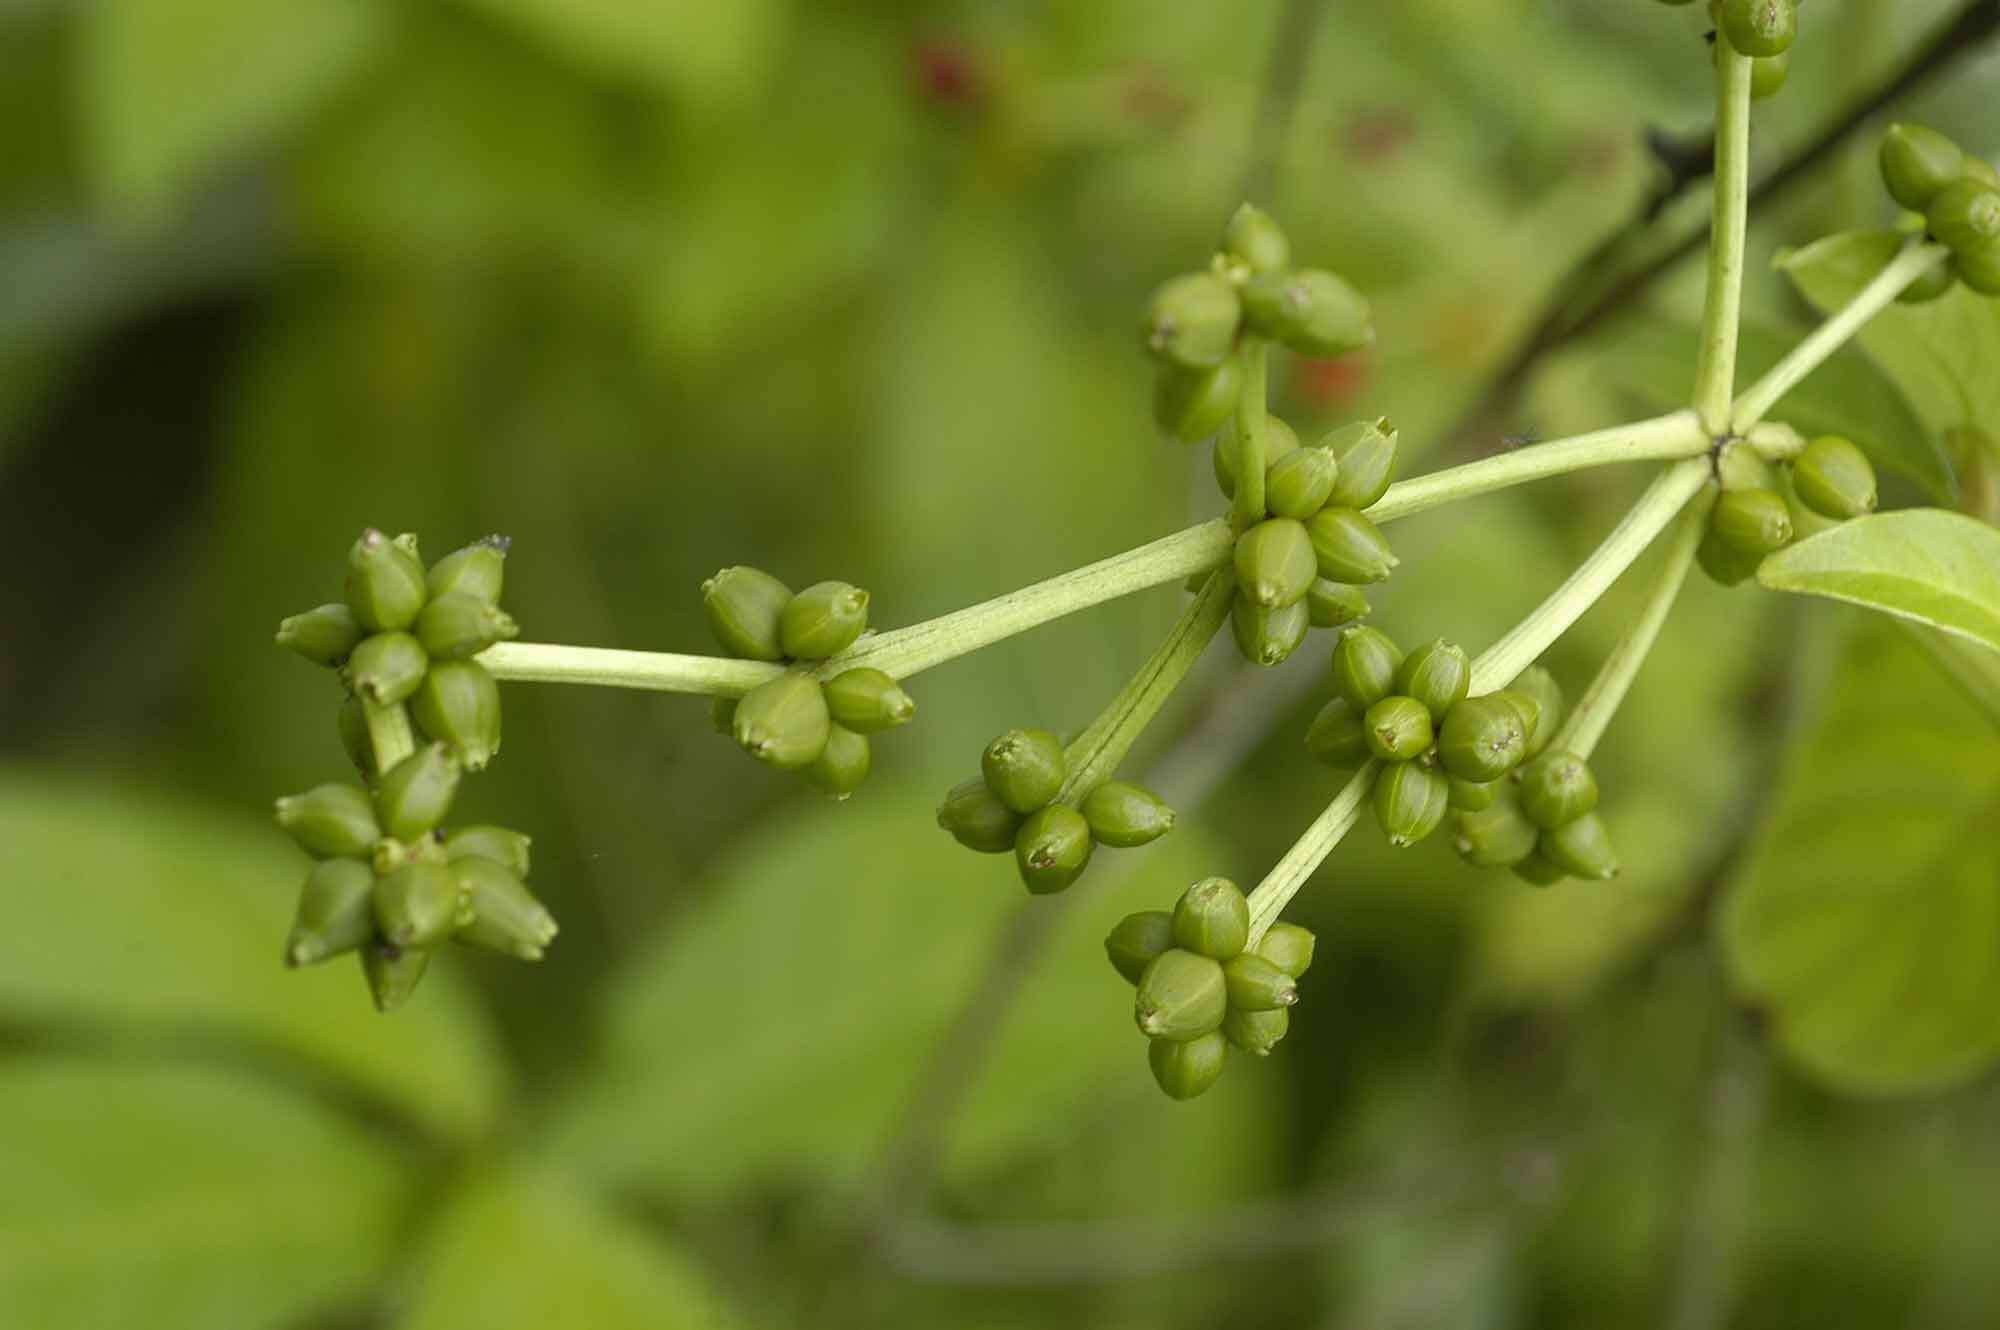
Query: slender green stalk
{"x": 1715, "y": 369}
{"x": 1527, "y": 640}
{"x": 1290, "y": 873}
{"x": 1600, "y": 702}
{"x": 1095, "y": 755}
{"x": 1664, "y": 438}
{"x": 1915, "y": 260}
{"x": 1252, "y": 405}
{"x": 389, "y": 733}
{"x": 653, "y": 671}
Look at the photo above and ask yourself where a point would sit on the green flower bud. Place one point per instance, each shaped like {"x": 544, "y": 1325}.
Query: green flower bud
{"x": 1191, "y": 404}
{"x": 1136, "y": 940}
{"x": 386, "y": 668}
{"x": 722, "y": 715}
{"x": 1275, "y": 564}
{"x": 1722, "y": 562}
{"x": 1338, "y": 735}
{"x": 1366, "y": 450}
{"x": 1289, "y": 947}
{"x": 1397, "y": 728}
{"x": 1256, "y": 1032}
{"x": 324, "y": 636}
{"x": 1917, "y": 163}
{"x": 352, "y": 721}
{"x": 1254, "y": 244}
{"x": 1268, "y": 637}
{"x": 1966, "y": 215}
{"x": 1539, "y": 698}
{"x": 393, "y": 972}
{"x": 1469, "y": 796}
{"x": 1331, "y": 604}
{"x": 459, "y": 705}
{"x": 1538, "y": 872}
{"x": 1025, "y": 768}
{"x": 1482, "y": 739}
{"x": 1297, "y": 484}
{"x": 1436, "y": 675}
{"x": 336, "y": 911}
{"x": 1980, "y": 170}
{"x": 385, "y": 583}
{"x": 1581, "y": 848}
{"x": 1255, "y": 983}
{"x": 977, "y": 819}
{"x": 1310, "y": 310}
{"x": 1052, "y": 848}
{"x": 1497, "y": 836}
{"x": 843, "y": 764}
{"x": 1754, "y": 523}
{"x": 421, "y": 903}
{"x": 1191, "y": 321}
{"x": 742, "y": 606}
{"x": 506, "y": 917}
{"x": 1410, "y": 801}
{"x": 502, "y": 845}
{"x": 1935, "y": 283}
{"x": 1280, "y": 442}
{"x": 459, "y": 625}
{"x": 867, "y": 701}
{"x": 1349, "y": 547}
{"x": 1979, "y": 269}
{"x": 823, "y": 620}
{"x": 1834, "y": 478}
{"x": 1758, "y": 27}
{"x": 1212, "y": 918}
{"x": 1124, "y": 815}
{"x": 1738, "y": 466}
{"x": 1186, "y": 1070}
{"x": 784, "y": 721}
{"x": 331, "y": 821}
{"x": 416, "y": 793}
{"x": 1365, "y": 661}
{"x": 1557, "y": 788}
{"x": 1181, "y": 996}
{"x": 478, "y": 570}
{"x": 1768, "y": 75}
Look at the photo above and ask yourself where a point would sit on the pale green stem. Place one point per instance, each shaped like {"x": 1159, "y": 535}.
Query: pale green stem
{"x": 1665, "y": 438}
{"x": 1915, "y": 260}
{"x": 1252, "y": 404}
{"x": 389, "y": 733}
{"x": 1600, "y": 702}
{"x": 1290, "y": 873}
{"x": 1095, "y": 755}
{"x": 655, "y": 671}
{"x": 1715, "y": 369}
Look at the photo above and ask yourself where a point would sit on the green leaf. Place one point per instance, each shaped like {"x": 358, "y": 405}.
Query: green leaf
{"x": 1925, "y": 564}
{"x": 1941, "y": 352}
{"x": 1867, "y": 918}
{"x": 711, "y": 55}
{"x": 193, "y": 1197}
{"x": 522, "y": 1249}
{"x": 160, "y": 919}
{"x": 171, "y": 89}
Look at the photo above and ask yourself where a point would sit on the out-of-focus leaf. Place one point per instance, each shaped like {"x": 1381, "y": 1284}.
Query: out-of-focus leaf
{"x": 1651, "y": 358}
{"x": 1867, "y": 920}
{"x": 182, "y": 1198}
{"x": 708, "y": 54}
{"x": 170, "y": 89}
{"x": 161, "y": 918}
{"x": 519, "y": 1250}
{"x": 782, "y": 1029}
{"x": 1941, "y": 352}
{"x": 1925, "y": 564}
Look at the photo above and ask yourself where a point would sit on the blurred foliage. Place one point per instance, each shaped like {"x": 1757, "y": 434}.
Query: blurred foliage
{"x": 848, "y": 290}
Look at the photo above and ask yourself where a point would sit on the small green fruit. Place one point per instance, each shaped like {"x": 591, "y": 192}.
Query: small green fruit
{"x": 420, "y": 904}
{"x": 1397, "y": 728}
{"x": 459, "y": 704}
{"x": 1268, "y": 637}
{"x": 457, "y": 625}
{"x": 1539, "y": 698}
{"x": 1349, "y": 547}
{"x": 1052, "y": 848}
{"x": 1279, "y": 442}
{"x": 1212, "y": 918}
{"x": 1338, "y": 735}
{"x": 1979, "y": 269}
{"x": 1497, "y": 836}
{"x": 743, "y": 606}
{"x": 1191, "y": 321}
{"x": 336, "y": 911}
{"x": 502, "y": 845}
{"x": 1835, "y": 479}
{"x": 1256, "y": 1032}
{"x": 1025, "y": 768}
{"x": 1136, "y": 940}
{"x": 324, "y": 636}
{"x": 843, "y": 764}
{"x": 1753, "y": 523}
{"x": 1366, "y": 451}
{"x": 1186, "y": 1069}
{"x": 1124, "y": 815}
{"x": 868, "y": 701}
{"x": 823, "y": 620}
{"x": 784, "y": 721}
{"x": 393, "y": 972}
{"x": 1936, "y": 282}
{"x": 1410, "y": 802}
{"x": 1181, "y": 997}
{"x": 1470, "y": 796}
{"x": 1727, "y": 565}
{"x": 1331, "y": 604}
{"x": 1253, "y": 243}
{"x": 416, "y": 793}
{"x": 1297, "y": 484}
{"x": 1917, "y": 163}
{"x": 478, "y": 570}
{"x": 385, "y": 583}
{"x": 1437, "y": 675}
{"x": 1738, "y": 466}
{"x": 1191, "y": 404}
{"x": 1768, "y": 75}
{"x": 386, "y": 668}
{"x": 1966, "y": 215}
{"x": 331, "y": 821}
{"x": 1758, "y": 27}
{"x": 505, "y": 916}
{"x": 1556, "y": 789}
{"x": 1581, "y": 848}
{"x": 977, "y": 819}
{"x": 1537, "y": 871}
{"x": 1255, "y": 983}
{"x": 1289, "y": 947}
{"x": 1482, "y": 739}
{"x": 1310, "y": 310}
{"x": 1365, "y": 661}
{"x": 1275, "y": 564}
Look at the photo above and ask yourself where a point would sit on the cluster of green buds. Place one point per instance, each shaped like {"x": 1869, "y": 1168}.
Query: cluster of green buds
{"x": 391, "y": 882}
{"x": 1958, "y": 196}
{"x": 1020, "y": 802}
{"x": 799, "y": 721}
{"x": 1202, "y": 987}
{"x": 1763, "y": 506}
{"x": 1761, "y": 29}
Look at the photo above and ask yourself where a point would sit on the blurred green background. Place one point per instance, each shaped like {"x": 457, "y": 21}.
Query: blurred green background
{"x": 848, "y": 290}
